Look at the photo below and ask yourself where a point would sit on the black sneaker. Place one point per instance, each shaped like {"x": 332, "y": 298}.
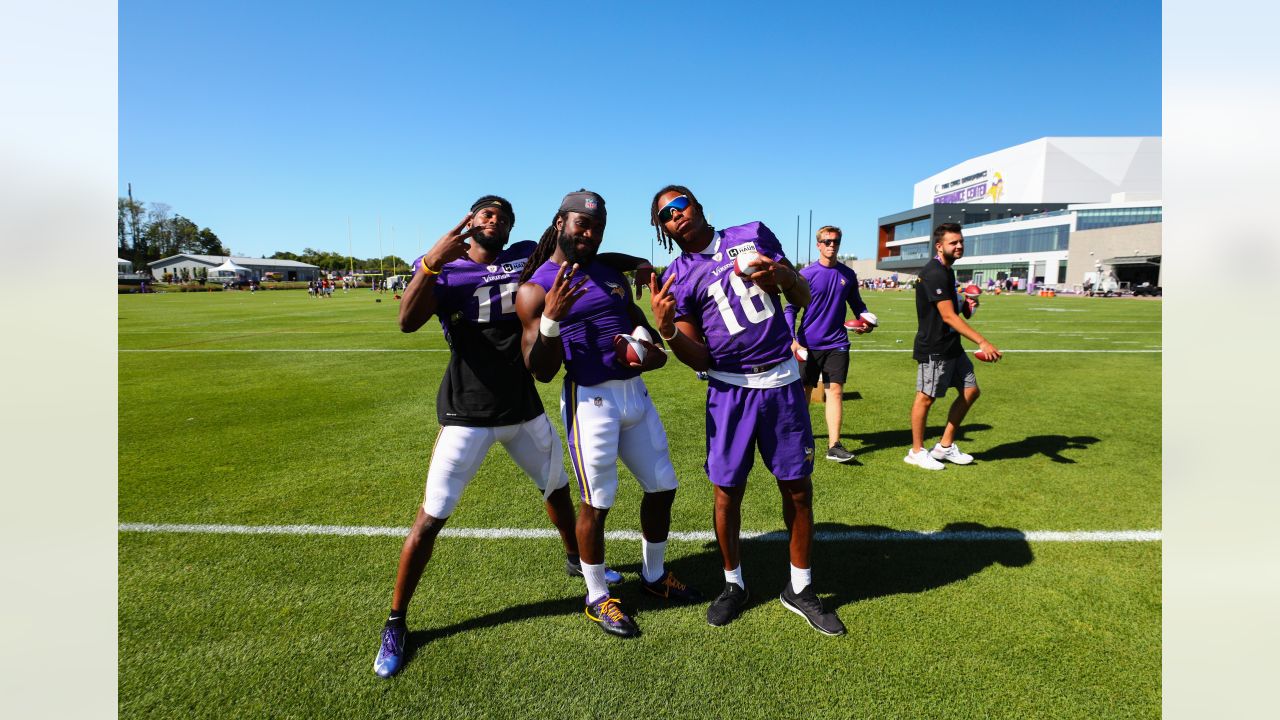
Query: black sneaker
{"x": 725, "y": 608}
{"x": 838, "y": 454}
{"x": 807, "y": 605}
{"x": 669, "y": 588}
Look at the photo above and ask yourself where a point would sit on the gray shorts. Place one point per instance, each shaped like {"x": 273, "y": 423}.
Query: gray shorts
{"x": 937, "y": 374}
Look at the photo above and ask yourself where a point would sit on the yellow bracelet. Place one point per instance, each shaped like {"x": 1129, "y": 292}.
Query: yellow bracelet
{"x": 427, "y": 271}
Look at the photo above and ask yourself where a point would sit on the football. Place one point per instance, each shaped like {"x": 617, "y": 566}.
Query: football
{"x": 871, "y": 318}
{"x": 968, "y": 306}
{"x": 802, "y": 354}
{"x": 985, "y": 357}
{"x": 858, "y": 325}
{"x": 629, "y": 349}
{"x": 747, "y": 263}
{"x": 972, "y": 290}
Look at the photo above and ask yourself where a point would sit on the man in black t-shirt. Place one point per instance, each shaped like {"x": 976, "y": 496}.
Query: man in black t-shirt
{"x": 937, "y": 349}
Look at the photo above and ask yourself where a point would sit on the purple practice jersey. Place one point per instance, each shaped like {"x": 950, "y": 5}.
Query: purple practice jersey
{"x": 602, "y": 313}
{"x": 486, "y": 383}
{"x": 743, "y": 325}
{"x": 822, "y": 324}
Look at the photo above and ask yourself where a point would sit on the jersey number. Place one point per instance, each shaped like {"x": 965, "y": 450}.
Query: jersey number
{"x": 507, "y": 295}
{"x": 747, "y": 296}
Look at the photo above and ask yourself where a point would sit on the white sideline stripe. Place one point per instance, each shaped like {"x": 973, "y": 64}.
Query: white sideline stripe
{"x": 286, "y": 350}
{"x": 1075, "y": 536}
{"x": 419, "y": 350}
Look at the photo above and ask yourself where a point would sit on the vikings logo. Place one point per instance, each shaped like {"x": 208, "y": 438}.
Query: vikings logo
{"x": 616, "y": 289}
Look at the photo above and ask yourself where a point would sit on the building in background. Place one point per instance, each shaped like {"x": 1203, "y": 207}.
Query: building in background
{"x": 254, "y": 268}
{"x": 1054, "y": 211}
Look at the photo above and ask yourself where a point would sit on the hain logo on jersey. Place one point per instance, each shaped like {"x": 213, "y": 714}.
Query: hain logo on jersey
{"x": 514, "y": 266}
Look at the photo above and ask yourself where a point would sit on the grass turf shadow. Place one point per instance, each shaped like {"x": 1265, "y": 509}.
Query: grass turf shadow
{"x": 1051, "y": 446}
{"x": 849, "y": 569}
{"x": 900, "y": 439}
{"x": 852, "y": 563}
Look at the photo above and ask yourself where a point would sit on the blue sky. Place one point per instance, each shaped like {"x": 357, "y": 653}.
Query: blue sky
{"x": 273, "y": 123}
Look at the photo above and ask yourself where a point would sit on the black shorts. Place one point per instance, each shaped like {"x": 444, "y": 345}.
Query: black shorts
{"x": 831, "y": 365}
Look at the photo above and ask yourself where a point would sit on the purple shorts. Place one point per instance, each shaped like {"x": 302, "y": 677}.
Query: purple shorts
{"x": 775, "y": 420}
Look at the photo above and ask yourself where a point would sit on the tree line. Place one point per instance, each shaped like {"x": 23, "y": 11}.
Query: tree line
{"x": 338, "y": 262}
{"x": 150, "y": 231}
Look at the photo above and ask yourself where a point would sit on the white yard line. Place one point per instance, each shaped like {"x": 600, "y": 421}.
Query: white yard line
{"x": 419, "y": 350}
{"x": 1071, "y": 536}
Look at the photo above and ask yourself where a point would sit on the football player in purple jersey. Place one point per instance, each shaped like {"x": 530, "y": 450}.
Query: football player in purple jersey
{"x": 573, "y": 308}
{"x": 733, "y": 328}
{"x": 469, "y": 280}
{"x": 822, "y": 335}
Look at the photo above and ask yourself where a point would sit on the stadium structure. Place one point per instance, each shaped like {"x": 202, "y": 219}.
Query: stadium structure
{"x": 1057, "y": 211}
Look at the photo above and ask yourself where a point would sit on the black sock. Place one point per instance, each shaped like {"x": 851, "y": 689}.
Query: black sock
{"x": 574, "y": 558}
{"x": 396, "y": 619}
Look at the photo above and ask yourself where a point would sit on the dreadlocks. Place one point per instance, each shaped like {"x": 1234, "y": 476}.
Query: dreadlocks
{"x": 664, "y": 239}
{"x": 546, "y": 248}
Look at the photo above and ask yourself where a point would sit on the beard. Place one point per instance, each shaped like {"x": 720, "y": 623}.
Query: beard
{"x": 568, "y": 245}
{"x": 492, "y": 244}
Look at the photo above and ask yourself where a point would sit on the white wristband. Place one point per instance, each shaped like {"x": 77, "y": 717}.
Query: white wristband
{"x": 549, "y": 327}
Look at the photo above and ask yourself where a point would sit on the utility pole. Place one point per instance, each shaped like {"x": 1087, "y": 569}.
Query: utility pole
{"x": 381, "y": 270}
{"x": 810, "y": 236}
{"x": 351, "y": 265}
{"x": 797, "y": 238}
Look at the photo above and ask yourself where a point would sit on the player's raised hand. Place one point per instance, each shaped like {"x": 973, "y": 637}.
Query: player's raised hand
{"x": 564, "y": 292}
{"x": 452, "y": 245}
{"x": 663, "y": 304}
{"x": 772, "y": 275}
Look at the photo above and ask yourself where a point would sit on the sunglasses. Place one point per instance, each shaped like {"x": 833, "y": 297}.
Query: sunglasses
{"x": 828, "y": 242}
{"x": 680, "y": 202}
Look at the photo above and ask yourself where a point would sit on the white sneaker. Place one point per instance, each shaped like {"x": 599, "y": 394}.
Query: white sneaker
{"x": 923, "y": 459}
{"x": 951, "y": 454}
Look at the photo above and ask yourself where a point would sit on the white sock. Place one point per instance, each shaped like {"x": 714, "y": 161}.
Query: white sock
{"x": 800, "y": 578}
{"x": 651, "y": 563}
{"x": 596, "y": 586}
{"x": 735, "y": 576}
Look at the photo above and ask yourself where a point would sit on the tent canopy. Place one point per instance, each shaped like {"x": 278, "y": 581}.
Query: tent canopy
{"x": 230, "y": 267}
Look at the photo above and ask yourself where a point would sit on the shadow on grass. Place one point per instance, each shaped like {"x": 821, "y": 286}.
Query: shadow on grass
{"x": 851, "y": 563}
{"x": 1051, "y": 446}
{"x": 900, "y": 439}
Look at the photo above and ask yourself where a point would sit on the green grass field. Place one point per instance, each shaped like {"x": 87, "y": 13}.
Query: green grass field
{"x": 270, "y": 409}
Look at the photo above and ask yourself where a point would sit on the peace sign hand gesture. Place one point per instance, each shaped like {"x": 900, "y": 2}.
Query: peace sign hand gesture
{"x": 451, "y": 246}
{"x": 663, "y": 304}
{"x": 563, "y": 293}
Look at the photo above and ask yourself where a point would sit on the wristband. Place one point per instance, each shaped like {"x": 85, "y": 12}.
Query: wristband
{"x": 551, "y": 328}
{"x": 427, "y": 271}
{"x": 668, "y": 339}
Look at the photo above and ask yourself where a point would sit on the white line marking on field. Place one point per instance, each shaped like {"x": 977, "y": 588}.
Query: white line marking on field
{"x": 289, "y": 350}
{"x": 419, "y": 350}
{"x": 1074, "y": 536}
